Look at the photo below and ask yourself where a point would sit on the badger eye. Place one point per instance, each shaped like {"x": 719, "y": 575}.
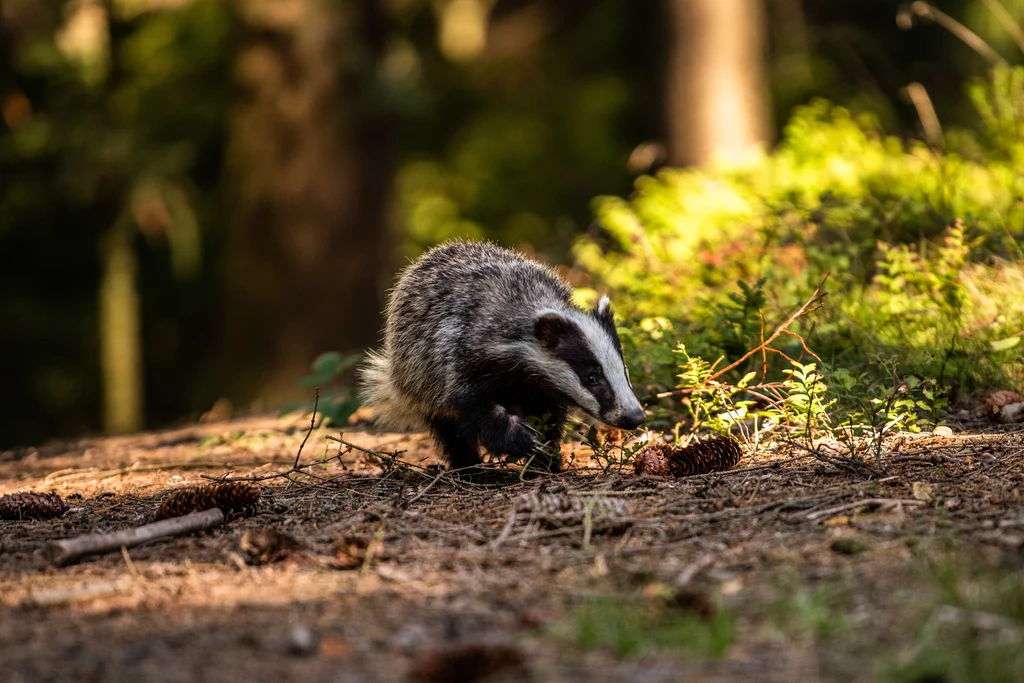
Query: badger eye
{"x": 591, "y": 379}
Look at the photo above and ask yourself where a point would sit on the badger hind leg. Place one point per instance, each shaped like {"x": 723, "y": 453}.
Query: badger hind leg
{"x": 460, "y": 446}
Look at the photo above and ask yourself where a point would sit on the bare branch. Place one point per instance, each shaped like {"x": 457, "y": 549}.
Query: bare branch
{"x": 812, "y": 304}
{"x": 68, "y": 550}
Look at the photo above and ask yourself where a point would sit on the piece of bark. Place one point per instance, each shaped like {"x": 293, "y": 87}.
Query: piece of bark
{"x": 70, "y": 549}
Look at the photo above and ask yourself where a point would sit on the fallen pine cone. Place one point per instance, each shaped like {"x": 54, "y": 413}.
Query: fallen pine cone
{"x": 235, "y": 499}
{"x": 653, "y": 459}
{"x": 31, "y": 506}
{"x": 569, "y": 508}
{"x": 996, "y": 401}
{"x": 711, "y": 455}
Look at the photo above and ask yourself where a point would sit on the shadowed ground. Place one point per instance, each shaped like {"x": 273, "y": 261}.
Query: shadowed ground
{"x": 785, "y": 568}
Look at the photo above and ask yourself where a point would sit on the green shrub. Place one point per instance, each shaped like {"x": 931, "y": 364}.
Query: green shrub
{"x": 919, "y": 245}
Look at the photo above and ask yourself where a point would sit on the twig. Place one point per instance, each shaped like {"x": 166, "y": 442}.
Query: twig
{"x": 68, "y": 550}
{"x": 300, "y": 469}
{"x": 312, "y": 421}
{"x": 128, "y": 563}
{"x": 1007, "y": 20}
{"x": 926, "y": 113}
{"x": 934, "y": 459}
{"x": 880, "y": 433}
{"x": 444, "y": 473}
{"x": 390, "y": 458}
{"x": 969, "y": 37}
{"x": 804, "y": 309}
{"x": 426, "y": 488}
{"x": 691, "y": 570}
{"x": 842, "y": 462}
{"x": 753, "y": 468}
{"x": 507, "y": 530}
{"x": 296, "y": 468}
{"x": 828, "y": 512}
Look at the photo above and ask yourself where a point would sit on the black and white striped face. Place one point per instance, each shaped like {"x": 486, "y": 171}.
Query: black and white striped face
{"x": 582, "y": 355}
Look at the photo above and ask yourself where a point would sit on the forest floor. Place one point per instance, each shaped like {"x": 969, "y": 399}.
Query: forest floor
{"x": 785, "y": 568}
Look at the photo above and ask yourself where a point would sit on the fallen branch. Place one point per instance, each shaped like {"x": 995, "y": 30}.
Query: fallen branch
{"x": 70, "y": 549}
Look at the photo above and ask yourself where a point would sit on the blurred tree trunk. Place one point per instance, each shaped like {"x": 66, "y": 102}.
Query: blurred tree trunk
{"x": 120, "y": 333}
{"x": 311, "y": 170}
{"x": 120, "y": 310}
{"x": 717, "y": 91}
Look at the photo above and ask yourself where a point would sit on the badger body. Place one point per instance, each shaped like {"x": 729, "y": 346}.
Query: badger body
{"x": 479, "y": 340}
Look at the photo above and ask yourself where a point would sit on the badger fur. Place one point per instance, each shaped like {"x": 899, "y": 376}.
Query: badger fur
{"x": 479, "y": 340}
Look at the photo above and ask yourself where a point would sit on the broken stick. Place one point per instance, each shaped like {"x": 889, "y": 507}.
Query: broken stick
{"x": 70, "y": 549}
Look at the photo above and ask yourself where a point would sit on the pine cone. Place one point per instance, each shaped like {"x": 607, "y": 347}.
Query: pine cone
{"x": 566, "y": 508}
{"x": 653, "y": 459}
{"x": 711, "y": 455}
{"x": 235, "y": 499}
{"x": 31, "y": 506}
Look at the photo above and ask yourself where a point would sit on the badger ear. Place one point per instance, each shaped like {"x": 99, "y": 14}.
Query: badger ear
{"x": 550, "y": 328}
{"x": 603, "y": 309}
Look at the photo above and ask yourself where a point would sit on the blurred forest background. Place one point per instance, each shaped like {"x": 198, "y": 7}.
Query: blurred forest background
{"x": 198, "y": 197}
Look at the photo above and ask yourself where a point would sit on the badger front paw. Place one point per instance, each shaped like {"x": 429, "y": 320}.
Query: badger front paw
{"x": 505, "y": 433}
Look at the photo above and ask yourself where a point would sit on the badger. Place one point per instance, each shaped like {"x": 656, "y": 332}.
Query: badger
{"x": 483, "y": 346}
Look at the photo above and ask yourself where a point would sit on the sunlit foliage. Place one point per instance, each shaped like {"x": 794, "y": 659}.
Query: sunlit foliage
{"x": 921, "y": 246}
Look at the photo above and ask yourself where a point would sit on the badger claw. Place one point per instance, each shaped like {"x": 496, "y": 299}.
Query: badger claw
{"x": 548, "y": 458}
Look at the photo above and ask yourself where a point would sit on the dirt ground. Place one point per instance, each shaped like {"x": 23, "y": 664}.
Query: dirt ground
{"x": 785, "y": 568}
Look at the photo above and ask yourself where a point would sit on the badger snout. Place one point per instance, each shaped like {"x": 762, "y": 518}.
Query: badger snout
{"x": 628, "y": 419}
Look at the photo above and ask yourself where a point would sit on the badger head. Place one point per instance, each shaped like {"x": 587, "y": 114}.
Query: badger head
{"x": 581, "y": 355}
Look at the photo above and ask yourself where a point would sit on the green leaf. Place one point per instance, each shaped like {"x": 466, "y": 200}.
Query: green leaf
{"x": 328, "y": 366}
{"x": 327, "y": 363}
{"x": 1005, "y": 344}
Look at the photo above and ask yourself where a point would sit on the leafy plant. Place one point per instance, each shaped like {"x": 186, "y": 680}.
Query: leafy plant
{"x": 873, "y": 408}
{"x": 709, "y": 403}
{"x": 336, "y": 403}
{"x": 926, "y": 287}
{"x": 806, "y": 403}
{"x": 609, "y": 454}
